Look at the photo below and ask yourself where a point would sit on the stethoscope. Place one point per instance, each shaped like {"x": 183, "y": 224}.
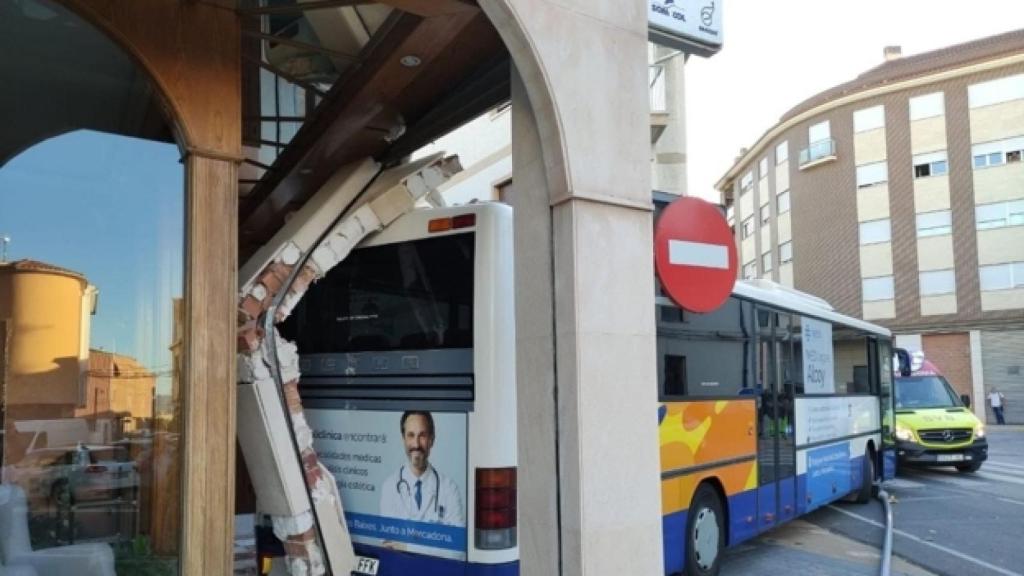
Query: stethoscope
{"x": 407, "y": 497}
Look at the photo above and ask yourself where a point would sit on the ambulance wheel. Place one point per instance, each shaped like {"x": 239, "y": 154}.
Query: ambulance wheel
{"x": 705, "y": 533}
{"x": 972, "y": 467}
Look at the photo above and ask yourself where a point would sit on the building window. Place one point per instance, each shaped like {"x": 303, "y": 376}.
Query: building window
{"x": 762, "y": 167}
{"x": 996, "y": 91}
{"x": 998, "y": 152}
{"x": 766, "y": 214}
{"x": 786, "y": 252}
{"x": 931, "y": 164}
{"x": 819, "y": 132}
{"x": 766, "y": 262}
{"x": 999, "y": 214}
{"x": 747, "y": 182}
{"x": 871, "y": 174}
{"x": 782, "y": 152}
{"x": 1002, "y": 276}
{"x": 748, "y": 227}
{"x": 750, "y": 271}
{"x": 875, "y": 232}
{"x": 936, "y": 223}
{"x": 783, "y": 200}
{"x": 869, "y": 119}
{"x": 876, "y": 289}
{"x": 820, "y": 144}
{"x": 937, "y": 283}
{"x": 928, "y": 106}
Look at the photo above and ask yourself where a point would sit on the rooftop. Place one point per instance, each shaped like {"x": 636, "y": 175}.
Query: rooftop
{"x": 898, "y": 69}
{"x": 917, "y": 65}
{"x": 36, "y": 266}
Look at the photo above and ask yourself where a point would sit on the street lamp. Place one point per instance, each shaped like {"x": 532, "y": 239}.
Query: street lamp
{"x": 4, "y": 241}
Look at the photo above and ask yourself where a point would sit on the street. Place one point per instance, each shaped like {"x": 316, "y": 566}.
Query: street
{"x": 946, "y": 523}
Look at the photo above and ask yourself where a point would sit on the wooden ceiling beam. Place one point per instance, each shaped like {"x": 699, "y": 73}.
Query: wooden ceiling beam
{"x": 301, "y": 45}
{"x": 300, "y": 7}
{"x": 374, "y": 94}
{"x": 431, "y": 8}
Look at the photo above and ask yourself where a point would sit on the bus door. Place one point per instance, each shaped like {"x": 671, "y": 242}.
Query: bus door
{"x": 885, "y": 395}
{"x": 776, "y": 456}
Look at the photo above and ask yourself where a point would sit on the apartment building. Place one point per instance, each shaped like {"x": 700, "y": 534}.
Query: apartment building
{"x": 899, "y": 197}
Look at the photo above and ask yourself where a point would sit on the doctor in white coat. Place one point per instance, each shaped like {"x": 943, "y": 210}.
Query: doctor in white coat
{"x": 417, "y": 491}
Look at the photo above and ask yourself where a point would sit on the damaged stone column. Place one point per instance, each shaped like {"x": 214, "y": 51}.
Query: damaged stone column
{"x": 282, "y": 462}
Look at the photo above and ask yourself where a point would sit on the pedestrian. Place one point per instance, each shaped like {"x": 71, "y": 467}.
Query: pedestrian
{"x": 997, "y": 400}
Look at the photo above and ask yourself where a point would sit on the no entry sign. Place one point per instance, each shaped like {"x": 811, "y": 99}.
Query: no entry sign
{"x": 695, "y": 254}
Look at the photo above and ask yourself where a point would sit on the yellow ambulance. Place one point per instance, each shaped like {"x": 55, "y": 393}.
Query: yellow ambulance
{"x": 934, "y": 426}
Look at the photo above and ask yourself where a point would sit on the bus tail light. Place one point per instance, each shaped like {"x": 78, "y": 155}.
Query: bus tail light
{"x": 453, "y": 223}
{"x": 495, "y": 508}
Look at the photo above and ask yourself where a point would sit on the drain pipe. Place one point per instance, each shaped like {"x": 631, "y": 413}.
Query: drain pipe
{"x": 887, "y": 546}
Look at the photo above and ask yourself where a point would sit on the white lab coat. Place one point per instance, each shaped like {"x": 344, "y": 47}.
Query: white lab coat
{"x": 441, "y": 501}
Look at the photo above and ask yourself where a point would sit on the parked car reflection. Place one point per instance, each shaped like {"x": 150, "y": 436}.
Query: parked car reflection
{"x": 83, "y": 472}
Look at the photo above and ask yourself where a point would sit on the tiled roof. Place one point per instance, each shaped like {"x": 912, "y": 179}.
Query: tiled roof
{"x": 908, "y": 67}
{"x": 36, "y": 266}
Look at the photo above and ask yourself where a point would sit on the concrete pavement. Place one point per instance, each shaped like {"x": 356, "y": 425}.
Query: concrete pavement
{"x": 803, "y": 548}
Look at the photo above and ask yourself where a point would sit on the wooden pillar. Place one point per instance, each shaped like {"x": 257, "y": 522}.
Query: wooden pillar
{"x": 208, "y": 457}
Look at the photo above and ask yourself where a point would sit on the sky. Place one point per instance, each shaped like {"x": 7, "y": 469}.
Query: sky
{"x": 778, "y": 53}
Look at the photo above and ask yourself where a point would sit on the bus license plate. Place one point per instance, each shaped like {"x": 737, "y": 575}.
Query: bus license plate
{"x": 366, "y": 566}
{"x": 951, "y": 458}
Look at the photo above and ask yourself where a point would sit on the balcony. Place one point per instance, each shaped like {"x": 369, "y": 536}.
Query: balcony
{"x": 817, "y": 153}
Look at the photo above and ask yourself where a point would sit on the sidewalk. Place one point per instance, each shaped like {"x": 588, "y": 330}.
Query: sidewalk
{"x": 803, "y": 548}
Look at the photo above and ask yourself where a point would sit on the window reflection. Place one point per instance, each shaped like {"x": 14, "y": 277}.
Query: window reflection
{"x": 91, "y": 316}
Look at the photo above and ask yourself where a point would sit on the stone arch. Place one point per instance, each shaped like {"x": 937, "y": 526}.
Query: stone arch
{"x": 535, "y": 76}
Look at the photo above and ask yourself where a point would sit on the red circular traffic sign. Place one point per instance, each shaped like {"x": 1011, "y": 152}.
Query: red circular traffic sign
{"x": 695, "y": 254}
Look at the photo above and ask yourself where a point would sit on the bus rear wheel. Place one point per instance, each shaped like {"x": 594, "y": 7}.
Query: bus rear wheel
{"x": 867, "y": 481}
{"x": 705, "y": 533}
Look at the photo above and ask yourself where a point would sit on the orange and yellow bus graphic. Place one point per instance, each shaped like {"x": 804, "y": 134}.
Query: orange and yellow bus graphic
{"x": 714, "y": 440}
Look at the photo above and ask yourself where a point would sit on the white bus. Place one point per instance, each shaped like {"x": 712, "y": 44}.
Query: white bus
{"x": 408, "y": 382}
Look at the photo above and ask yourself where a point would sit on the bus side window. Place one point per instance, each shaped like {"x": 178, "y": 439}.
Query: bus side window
{"x": 706, "y": 355}
{"x": 850, "y": 354}
{"x": 675, "y": 375}
{"x": 796, "y": 376}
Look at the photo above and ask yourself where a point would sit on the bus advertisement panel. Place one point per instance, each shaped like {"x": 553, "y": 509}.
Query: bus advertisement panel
{"x": 832, "y": 469}
{"x": 401, "y": 475}
{"x": 817, "y": 356}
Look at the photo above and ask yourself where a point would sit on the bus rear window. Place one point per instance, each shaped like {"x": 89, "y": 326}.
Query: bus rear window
{"x": 415, "y": 295}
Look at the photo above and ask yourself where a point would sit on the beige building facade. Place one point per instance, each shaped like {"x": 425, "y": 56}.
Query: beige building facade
{"x": 899, "y": 198}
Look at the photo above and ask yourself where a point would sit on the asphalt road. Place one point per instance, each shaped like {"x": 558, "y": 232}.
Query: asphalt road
{"x": 948, "y": 522}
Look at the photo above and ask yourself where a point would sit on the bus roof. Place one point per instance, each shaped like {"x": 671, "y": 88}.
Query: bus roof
{"x": 785, "y": 298}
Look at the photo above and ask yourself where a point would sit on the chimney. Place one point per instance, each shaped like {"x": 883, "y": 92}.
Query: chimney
{"x": 892, "y": 53}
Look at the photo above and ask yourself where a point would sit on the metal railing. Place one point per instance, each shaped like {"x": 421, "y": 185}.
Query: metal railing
{"x": 817, "y": 151}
